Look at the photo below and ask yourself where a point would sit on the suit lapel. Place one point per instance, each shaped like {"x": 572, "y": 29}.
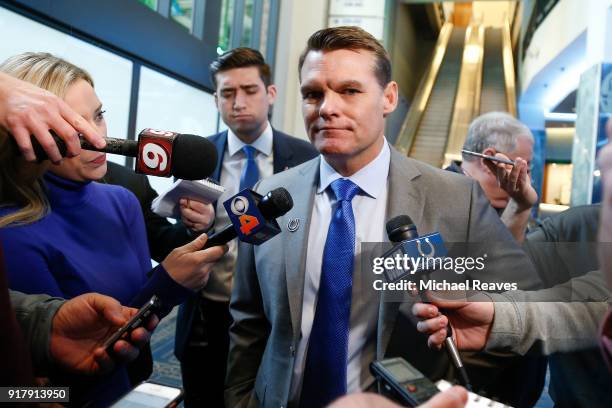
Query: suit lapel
{"x": 220, "y": 142}
{"x": 403, "y": 199}
{"x": 282, "y": 152}
{"x": 295, "y": 243}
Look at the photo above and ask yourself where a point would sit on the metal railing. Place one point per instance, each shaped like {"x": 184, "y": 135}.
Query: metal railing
{"x": 411, "y": 124}
{"x": 508, "y": 61}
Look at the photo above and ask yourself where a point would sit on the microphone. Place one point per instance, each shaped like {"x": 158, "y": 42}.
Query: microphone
{"x": 253, "y": 217}
{"x": 402, "y": 231}
{"x": 157, "y": 153}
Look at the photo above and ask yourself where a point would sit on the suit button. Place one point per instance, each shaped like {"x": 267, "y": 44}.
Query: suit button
{"x": 292, "y": 350}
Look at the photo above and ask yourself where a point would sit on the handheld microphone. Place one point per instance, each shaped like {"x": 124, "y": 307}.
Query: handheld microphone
{"x": 402, "y": 231}
{"x": 253, "y": 217}
{"x": 157, "y": 153}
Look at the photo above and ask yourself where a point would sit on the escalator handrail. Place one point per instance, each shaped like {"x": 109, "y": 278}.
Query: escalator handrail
{"x": 508, "y": 63}
{"x": 413, "y": 119}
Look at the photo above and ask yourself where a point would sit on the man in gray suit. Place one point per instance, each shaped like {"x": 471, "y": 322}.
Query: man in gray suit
{"x": 305, "y": 327}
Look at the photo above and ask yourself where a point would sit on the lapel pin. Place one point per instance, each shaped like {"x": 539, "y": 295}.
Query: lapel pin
{"x": 293, "y": 224}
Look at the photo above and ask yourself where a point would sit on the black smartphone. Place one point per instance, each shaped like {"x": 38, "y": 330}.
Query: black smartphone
{"x": 484, "y": 156}
{"x": 136, "y": 321}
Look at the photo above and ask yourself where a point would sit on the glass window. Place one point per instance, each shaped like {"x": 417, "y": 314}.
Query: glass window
{"x": 152, "y": 4}
{"x": 165, "y": 103}
{"x": 265, "y": 21}
{"x": 181, "y": 11}
{"x": 225, "y": 28}
{"x": 111, "y": 73}
{"x": 247, "y": 21}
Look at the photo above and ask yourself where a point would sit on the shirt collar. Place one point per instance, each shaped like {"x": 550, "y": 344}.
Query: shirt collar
{"x": 368, "y": 178}
{"x": 263, "y": 143}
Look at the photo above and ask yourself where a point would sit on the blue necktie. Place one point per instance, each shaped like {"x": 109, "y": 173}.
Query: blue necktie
{"x": 250, "y": 172}
{"x": 327, "y": 358}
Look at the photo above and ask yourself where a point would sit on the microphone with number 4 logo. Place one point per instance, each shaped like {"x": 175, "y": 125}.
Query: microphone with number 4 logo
{"x": 253, "y": 217}
{"x": 158, "y": 153}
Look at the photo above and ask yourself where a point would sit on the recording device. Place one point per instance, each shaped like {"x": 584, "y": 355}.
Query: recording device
{"x": 158, "y": 153}
{"x": 149, "y": 394}
{"x": 484, "y": 156}
{"x": 402, "y": 231}
{"x": 253, "y": 217}
{"x": 135, "y": 322}
{"x": 403, "y": 382}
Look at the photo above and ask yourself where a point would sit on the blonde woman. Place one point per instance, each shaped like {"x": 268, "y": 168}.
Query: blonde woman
{"x": 65, "y": 235}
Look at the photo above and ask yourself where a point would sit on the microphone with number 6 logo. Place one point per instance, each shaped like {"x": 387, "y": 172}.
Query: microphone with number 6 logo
{"x": 157, "y": 152}
{"x": 253, "y": 217}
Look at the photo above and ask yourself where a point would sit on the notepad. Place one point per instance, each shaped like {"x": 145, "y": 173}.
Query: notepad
{"x": 474, "y": 400}
{"x": 167, "y": 204}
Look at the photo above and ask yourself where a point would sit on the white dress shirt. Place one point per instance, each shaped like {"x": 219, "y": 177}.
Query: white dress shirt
{"x": 219, "y": 284}
{"x": 369, "y": 209}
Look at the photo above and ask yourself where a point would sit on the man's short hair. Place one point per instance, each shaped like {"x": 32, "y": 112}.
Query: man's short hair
{"x": 241, "y": 57}
{"x": 350, "y": 38}
{"x": 498, "y": 130}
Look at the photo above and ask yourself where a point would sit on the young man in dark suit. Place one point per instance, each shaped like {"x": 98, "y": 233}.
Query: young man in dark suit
{"x": 248, "y": 151}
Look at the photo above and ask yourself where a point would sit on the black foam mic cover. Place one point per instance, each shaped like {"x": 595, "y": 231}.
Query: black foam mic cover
{"x": 193, "y": 157}
{"x": 401, "y": 228}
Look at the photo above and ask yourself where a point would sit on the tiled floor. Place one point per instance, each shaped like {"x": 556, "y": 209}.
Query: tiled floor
{"x": 166, "y": 368}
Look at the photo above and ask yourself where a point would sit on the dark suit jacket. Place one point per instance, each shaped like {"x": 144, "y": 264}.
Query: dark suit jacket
{"x": 288, "y": 152}
{"x": 163, "y": 236}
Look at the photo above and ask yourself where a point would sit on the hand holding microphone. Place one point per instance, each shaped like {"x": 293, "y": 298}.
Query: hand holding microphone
{"x": 191, "y": 264}
{"x": 253, "y": 220}
{"x": 158, "y": 153}
{"x": 26, "y": 109}
{"x": 402, "y": 231}
{"x": 470, "y": 321}
{"x": 253, "y": 217}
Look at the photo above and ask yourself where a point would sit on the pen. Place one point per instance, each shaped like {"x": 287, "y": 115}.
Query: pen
{"x": 484, "y": 156}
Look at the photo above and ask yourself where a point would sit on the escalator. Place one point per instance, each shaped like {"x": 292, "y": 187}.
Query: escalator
{"x": 432, "y": 132}
{"x": 471, "y": 73}
{"x": 493, "y": 93}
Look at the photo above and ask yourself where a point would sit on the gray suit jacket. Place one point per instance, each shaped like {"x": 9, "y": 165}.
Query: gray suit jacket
{"x": 35, "y": 314}
{"x": 527, "y": 319}
{"x": 268, "y": 282}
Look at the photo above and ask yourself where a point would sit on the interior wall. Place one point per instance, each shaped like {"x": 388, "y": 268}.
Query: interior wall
{"x": 410, "y": 52}
{"x": 565, "y": 22}
{"x": 462, "y": 14}
{"x": 559, "y": 143}
{"x": 297, "y": 21}
{"x": 493, "y": 13}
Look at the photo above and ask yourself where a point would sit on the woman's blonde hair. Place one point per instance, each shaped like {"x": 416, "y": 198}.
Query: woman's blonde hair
{"x": 20, "y": 181}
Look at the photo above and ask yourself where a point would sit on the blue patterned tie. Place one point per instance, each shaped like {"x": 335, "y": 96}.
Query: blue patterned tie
{"x": 250, "y": 172}
{"x": 326, "y": 360}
